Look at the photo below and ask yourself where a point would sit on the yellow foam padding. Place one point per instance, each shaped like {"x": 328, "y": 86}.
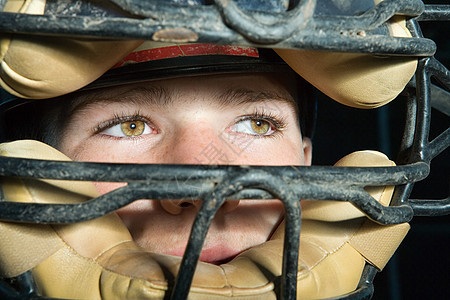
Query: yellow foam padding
{"x": 356, "y": 80}
{"x": 40, "y": 67}
{"x": 98, "y": 258}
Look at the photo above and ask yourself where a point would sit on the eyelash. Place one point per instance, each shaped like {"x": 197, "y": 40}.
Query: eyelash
{"x": 118, "y": 119}
{"x": 277, "y": 122}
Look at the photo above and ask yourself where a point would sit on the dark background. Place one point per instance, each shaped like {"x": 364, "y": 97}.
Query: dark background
{"x": 420, "y": 269}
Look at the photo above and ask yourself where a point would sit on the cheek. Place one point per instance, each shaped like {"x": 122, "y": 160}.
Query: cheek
{"x": 275, "y": 154}
{"x": 89, "y": 150}
{"x": 97, "y": 150}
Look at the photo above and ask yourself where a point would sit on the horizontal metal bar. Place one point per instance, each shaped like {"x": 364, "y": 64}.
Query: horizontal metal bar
{"x": 373, "y": 18}
{"x": 440, "y": 99}
{"x": 205, "y": 26}
{"x": 430, "y": 208}
{"x": 438, "y": 71}
{"x": 117, "y": 172}
{"x": 435, "y": 12}
{"x": 438, "y": 145}
{"x": 158, "y": 190}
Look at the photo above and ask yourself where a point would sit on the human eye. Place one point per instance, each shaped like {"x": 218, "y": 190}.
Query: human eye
{"x": 125, "y": 127}
{"x": 258, "y": 124}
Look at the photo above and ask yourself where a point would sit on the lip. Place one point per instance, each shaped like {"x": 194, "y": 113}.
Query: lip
{"x": 217, "y": 254}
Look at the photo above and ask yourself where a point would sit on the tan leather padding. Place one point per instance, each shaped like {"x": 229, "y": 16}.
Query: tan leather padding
{"x": 40, "y": 67}
{"x": 370, "y": 234}
{"x": 356, "y": 80}
{"x": 44, "y": 67}
{"x": 98, "y": 259}
{"x": 338, "y": 210}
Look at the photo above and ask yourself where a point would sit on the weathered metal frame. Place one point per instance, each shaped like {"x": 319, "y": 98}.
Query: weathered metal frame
{"x": 212, "y": 183}
{"x": 226, "y": 23}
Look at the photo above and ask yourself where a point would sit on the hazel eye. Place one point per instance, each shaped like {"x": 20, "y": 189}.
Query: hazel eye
{"x": 133, "y": 128}
{"x": 258, "y": 127}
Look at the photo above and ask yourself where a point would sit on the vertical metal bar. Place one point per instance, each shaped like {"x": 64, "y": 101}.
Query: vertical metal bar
{"x": 408, "y": 131}
{"x": 402, "y": 192}
{"x": 291, "y": 248}
{"x": 420, "y": 143}
{"x": 415, "y": 138}
{"x": 197, "y": 237}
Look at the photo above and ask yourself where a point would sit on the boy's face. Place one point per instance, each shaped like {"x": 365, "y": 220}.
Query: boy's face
{"x": 228, "y": 119}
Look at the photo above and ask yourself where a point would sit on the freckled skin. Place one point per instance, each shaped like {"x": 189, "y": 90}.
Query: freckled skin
{"x": 183, "y": 130}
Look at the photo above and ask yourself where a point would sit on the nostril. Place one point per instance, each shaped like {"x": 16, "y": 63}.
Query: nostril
{"x": 185, "y": 204}
{"x": 175, "y": 207}
{"x": 190, "y": 203}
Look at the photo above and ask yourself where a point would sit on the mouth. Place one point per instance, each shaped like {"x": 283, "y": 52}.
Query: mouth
{"x": 250, "y": 224}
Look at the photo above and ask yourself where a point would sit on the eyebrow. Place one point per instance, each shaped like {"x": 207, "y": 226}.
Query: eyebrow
{"x": 245, "y": 96}
{"x": 160, "y": 96}
{"x": 153, "y": 95}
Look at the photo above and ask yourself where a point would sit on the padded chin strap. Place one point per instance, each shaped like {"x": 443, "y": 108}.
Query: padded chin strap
{"x": 98, "y": 259}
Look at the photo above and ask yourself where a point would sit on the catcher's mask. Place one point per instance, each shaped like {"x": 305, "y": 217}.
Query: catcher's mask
{"x": 359, "y": 53}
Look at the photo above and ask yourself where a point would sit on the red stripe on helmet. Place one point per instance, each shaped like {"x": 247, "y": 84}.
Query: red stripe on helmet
{"x": 186, "y": 50}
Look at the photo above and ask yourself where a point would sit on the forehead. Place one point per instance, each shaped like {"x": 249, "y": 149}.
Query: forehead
{"x": 220, "y": 89}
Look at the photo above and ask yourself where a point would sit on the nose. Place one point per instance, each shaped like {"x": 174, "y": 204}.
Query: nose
{"x": 199, "y": 143}
{"x": 175, "y": 207}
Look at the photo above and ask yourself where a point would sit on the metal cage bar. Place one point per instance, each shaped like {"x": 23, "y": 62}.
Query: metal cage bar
{"x": 316, "y": 183}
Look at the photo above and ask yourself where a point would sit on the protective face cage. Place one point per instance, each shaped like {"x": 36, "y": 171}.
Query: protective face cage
{"x": 359, "y": 29}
